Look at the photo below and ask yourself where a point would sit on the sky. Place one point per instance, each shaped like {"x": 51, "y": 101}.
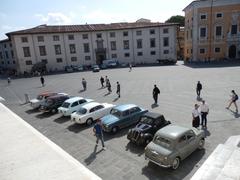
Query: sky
{"x": 23, "y": 14}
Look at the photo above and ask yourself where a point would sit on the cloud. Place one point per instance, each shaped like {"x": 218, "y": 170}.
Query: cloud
{"x": 3, "y": 15}
{"x": 55, "y": 18}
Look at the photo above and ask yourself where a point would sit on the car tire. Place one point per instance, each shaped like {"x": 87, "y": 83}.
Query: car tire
{"x": 89, "y": 121}
{"x": 176, "y": 163}
{"x": 53, "y": 110}
{"x": 201, "y": 144}
{"x": 147, "y": 141}
{"x": 115, "y": 129}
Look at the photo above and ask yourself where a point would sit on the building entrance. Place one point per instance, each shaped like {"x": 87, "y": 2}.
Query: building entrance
{"x": 100, "y": 57}
{"x": 232, "y": 52}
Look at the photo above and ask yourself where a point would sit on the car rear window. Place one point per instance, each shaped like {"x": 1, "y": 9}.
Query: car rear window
{"x": 65, "y": 105}
{"x": 116, "y": 112}
{"x": 39, "y": 97}
{"x": 82, "y": 111}
{"x": 162, "y": 141}
{"x": 146, "y": 120}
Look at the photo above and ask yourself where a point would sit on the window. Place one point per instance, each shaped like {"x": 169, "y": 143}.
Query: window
{"x": 125, "y": 33}
{"x": 218, "y": 30}
{"x": 166, "y": 52}
{"x": 187, "y": 34}
{"x": 203, "y": 32}
{"x": 86, "y": 47}
{"x": 70, "y": 37}
{"x": 202, "y": 51}
{"x": 127, "y": 55}
{"x": 191, "y": 33}
{"x": 57, "y": 49}
{"x": 40, "y": 39}
{"x": 217, "y": 50}
{"x": 165, "y": 41}
{"x": 2, "y": 62}
{"x": 1, "y": 55}
{"x": 59, "y": 60}
{"x": 12, "y": 53}
{"x": 5, "y": 45}
{"x": 114, "y": 55}
{"x": 112, "y": 34}
{"x": 126, "y": 44}
{"x": 6, "y": 54}
{"x": 42, "y": 51}
{"x": 113, "y": 45}
{"x": 55, "y": 38}
{"x": 87, "y": 58}
{"x": 218, "y": 15}
{"x": 153, "y": 52}
{"x": 152, "y": 31}
{"x": 73, "y": 59}
{"x": 234, "y": 29}
{"x": 74, "y": 104}
{"x": 138, "y": 33}
{"x": 8, "y": 62}
{"x": 24, "y": 39}
{"x": 203, "y": 16}
{"x": 165, "y": 31}
{"x": 85, "y": 36}
{"x": 99, "y": 35}
{"x": 139, "y": 43}
{"x": 152, "y": 43}
{"x": 72, "y": 48}
{"x": 139, "y": 53}
{"x": 82, "y": 101}
{"x": 125, "y": 113}
{"x": 14, "y": 62}
{"x": 44, "y": 61}
{"x": 28, "y": 62}
{"x": 26, "y": 51}
{"x": 10, "y": 44}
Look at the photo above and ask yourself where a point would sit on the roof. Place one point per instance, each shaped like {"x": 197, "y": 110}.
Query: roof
{"x": 47, "y": 93}
{"x": 90, "y": 105}
{"x": 73, "y": 99}
{"x": 172, "y": 131}
{"x": 88, "y": 27}
{"x": 190, "y": 4}
{"x": 153, "y": 115}
{"x": 57, "y": 96}
{"x": 125, "y": 107}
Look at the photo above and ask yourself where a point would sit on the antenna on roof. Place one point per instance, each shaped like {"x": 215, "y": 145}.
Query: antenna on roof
{"x": 42, "y": 26}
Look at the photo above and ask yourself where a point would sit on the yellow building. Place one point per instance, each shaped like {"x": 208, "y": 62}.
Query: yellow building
{"x": 212, "y": 30}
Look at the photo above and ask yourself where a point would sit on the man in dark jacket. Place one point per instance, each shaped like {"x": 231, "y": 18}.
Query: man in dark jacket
{"x": 118, "y": 89}
{"x": 156, "y": 91}
{"x": 42, "y": 80}
{"x": 198, "y": 89}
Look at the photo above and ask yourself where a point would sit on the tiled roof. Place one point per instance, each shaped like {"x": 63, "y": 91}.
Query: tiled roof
{"x": 88, "y": 27}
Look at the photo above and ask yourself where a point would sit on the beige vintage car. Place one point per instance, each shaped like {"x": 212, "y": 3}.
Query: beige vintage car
{"x": 171, "y": 144}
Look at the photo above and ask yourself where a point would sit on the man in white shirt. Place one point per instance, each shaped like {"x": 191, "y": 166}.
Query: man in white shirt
{"x": 204, "y": 109}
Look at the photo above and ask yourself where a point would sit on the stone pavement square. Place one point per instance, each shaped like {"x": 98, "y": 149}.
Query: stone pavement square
{"x": 122, "y": 160}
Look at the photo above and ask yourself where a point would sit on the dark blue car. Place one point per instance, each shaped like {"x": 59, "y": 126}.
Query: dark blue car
{"x": 122, "y": 116}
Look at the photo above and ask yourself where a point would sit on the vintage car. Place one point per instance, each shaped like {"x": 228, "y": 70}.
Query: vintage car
{"x": 53, "y": 103}
{"x": 122, "y": 116}
{"x": 144, "y": 131}
{"x": 90, "y": 112}
{"x": 72, "y": 105}
{"x": 41, "y": 98}
{"x": 95, "y": 68}
{"x": 172, "y": 144}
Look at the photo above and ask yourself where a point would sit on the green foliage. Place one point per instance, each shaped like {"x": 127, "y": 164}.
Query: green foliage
{"x": 176, "y": 19}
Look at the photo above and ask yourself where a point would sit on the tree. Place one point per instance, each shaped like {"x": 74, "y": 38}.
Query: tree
{"x": 176, "y": 19}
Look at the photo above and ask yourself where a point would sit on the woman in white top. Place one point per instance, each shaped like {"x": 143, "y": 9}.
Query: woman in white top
{"x": 196, "y": 116}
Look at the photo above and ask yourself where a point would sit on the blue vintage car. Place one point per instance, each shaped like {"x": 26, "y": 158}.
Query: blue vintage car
{"x": 122, "y": 116}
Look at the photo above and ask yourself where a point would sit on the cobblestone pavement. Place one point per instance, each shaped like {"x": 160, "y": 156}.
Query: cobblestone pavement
{"x": 123, "y": 160}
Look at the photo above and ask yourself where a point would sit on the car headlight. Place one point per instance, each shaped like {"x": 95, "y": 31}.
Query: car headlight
{"x": 165, "y": 158}
{"x": 141, "y": 135}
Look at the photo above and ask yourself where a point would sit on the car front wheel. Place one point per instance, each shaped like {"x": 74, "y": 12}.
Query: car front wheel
{"x": 201, "y": 144}
{"x": 89, "y": 121}
{"x": 114, "y": 130}
{"x": 176, "y": 163}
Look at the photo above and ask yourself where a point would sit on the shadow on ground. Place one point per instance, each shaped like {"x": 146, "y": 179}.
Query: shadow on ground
{"x": 76, "y": 128}
{"x": 133, "y": 148}
{"x": 44, "y": 115}
{"x": 216, "y": 64}
{"x": 153, "y": 171}
{"x": 62, "y": 119}
{"x": 31, "y": 111}
{"x": 93, "y": 155}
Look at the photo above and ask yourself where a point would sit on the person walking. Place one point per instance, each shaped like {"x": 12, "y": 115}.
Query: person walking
{"x": 204, "y": 109}
{"x": 155, "y": 93}
{"x": 233, "y": 100}
{"x": 9, "y": 80}
{"x": 42, "y": 80}
{"x": 84, "y": 84}
{"x": 109, "y": 87}
{"x": 130, "y": 67}
{"x": 102, "y": 81}
{"x": 198, "y": 89}
{"x": 118, "y": 89}
{"x": 106, "y": 80}
{"x": 97, "y": 129}
{"x": 196, "y": 116}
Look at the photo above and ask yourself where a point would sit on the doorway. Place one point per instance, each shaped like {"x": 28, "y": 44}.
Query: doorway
{"x": 232, "y": 52}
{"x": 100, "y": 57}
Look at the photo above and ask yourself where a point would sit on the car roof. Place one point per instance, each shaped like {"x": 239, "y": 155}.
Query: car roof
{"x": 46, "y": 93}
{"x": 90, "y": 105}
{"x": 74, "y": 99}
{"x": 153, "y": 115}
{"x": 125, "y": 107}
{"x": 172, "y": 131}
{"x": 57, "y": 96}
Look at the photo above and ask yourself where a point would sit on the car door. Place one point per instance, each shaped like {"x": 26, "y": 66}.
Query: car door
{"x": 73, "y": 107}
{"x": 191, "y": 138}
{"x": 99, "y": 111}
{"x": 182, "y": 147}
{"x": 124, "y": 120}
{"x": 134, "y": 115}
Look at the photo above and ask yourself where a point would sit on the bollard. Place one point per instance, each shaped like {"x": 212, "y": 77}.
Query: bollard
{"x": 27, "y": 98}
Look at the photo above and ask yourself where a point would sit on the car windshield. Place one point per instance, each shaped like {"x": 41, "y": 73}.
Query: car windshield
{"x": 65, "y": 104}
{"x": 162, "y": 142}
{"x": 146, "y": 120}
{"x": 39, "y": 97}
{"x": 49, "y": 102}
{"x": 116, "y": 112}
{"x": 82, "y": 111}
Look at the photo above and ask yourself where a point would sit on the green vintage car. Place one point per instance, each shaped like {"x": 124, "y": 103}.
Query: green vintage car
{"x": 171, "y": 144}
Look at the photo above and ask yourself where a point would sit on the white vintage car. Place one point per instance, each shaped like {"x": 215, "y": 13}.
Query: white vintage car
{"x": 72, "y": 105}
{"x": 91, "y": 112}
{"x": 41, "y": 98}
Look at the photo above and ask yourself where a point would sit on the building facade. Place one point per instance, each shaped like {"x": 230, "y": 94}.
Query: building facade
{"x": 7, "y": 58}
{"x": 59, "y": 46}
{"x": 212, "y": 30}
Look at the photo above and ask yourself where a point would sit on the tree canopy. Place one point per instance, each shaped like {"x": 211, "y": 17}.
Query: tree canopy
{"x": 176, "y": 19}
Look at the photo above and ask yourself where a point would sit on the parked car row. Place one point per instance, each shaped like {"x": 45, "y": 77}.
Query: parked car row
{"x": 166, "y": 144}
